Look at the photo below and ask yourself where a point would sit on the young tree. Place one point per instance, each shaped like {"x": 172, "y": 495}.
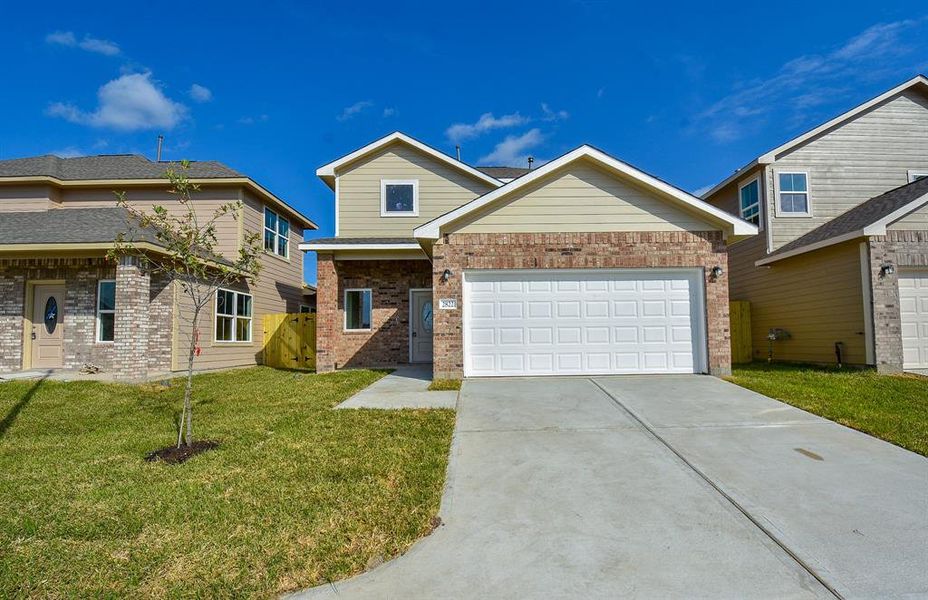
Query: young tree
{"x": 190, "y": 259}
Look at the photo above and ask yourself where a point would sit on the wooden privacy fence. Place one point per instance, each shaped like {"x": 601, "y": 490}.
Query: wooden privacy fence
{"x": 739, "y": 314}
{"x": 290, "y": 340}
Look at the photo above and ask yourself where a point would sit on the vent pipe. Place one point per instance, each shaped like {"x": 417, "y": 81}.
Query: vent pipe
{"x": 457, "y": 149}
{"x": 160, "y": 144}
{"x": 530, "y": 161}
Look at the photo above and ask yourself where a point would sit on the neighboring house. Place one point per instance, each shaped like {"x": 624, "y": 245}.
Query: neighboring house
{"x": 842, "y": 261}
{"x": 308, "y": 303}
{"x": 583, "y": 265}
{"x": 63, "y": 304}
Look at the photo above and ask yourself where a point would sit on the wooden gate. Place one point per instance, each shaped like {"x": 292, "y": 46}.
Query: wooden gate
{"x": 290, "y": 340}
{"x": 739, "y": 315}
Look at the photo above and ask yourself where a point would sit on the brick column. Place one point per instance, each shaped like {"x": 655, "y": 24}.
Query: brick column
{"x": 160, "y": 324}
{"x": 887, "y": 319}
{"x": 130, "y": 348}
{"x": 12, "y": 303}
{"x": 718, "y": 325}
{"x": 80, "y": 317}
{"x": 327, "y": 320}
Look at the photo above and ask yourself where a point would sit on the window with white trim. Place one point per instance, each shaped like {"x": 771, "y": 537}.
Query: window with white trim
{"x": 305, "y": 308}
{"x": 358, "y": 310}
{"x": 916, "y": 175}
{"x": 749, "y": 201}
{"x": 233, "y": 316}
{"x": 106, "y": 310}
{"x": 399, "y": 198}
{"x": 793, "y": 190}
{"x": 276, "y": 233}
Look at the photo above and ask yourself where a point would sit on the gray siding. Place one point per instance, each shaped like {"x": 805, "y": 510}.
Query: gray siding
{"x": 858, "y": 160}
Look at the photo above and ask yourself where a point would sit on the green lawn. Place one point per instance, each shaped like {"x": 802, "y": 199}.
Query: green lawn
{"x": 296, "y": 494}
{"x": 890, "y": 407}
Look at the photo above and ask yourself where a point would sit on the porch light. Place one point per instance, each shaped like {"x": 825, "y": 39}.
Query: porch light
{"x": 887, "y": 269}
{"x": 446, "y": 275}
{"x": 717, "y": 272}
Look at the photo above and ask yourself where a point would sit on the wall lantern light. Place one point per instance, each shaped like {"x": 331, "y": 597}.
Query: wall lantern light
{"x": 717, "y": 272}
{"x": 887, "y": 269}
{"x": 446, "y": 275}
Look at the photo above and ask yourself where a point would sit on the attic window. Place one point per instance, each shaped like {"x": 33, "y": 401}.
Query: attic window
{"x": 399, "y": 198}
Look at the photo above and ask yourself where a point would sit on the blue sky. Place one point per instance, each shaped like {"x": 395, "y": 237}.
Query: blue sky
{"x": 686, "y": 92}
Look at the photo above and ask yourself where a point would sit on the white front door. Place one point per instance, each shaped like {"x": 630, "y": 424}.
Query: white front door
{"x": 567, "y": 322}
{"x": 420, "y": 326}
{"x": 913, "y": 306}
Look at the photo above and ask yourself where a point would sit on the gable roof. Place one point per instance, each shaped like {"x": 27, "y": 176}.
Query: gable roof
{"x": 919, "y": 81}
{"x": 130, "y": 169}
{"x": 732, "y": 224}
{"x": 868, "y": 218}
{"x": 108, "y": 166}
{"x": 327, "y": 171}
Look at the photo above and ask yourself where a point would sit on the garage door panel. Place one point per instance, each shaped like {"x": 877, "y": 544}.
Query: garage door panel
{"x": 913, "y": 307}
{"x": 631, "y": 321}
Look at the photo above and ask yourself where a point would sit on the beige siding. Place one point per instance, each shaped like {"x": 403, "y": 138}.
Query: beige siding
{"x": 278, "y": 289}
{"x": 817, "y": 297}
{"x": 205, "y": 202}
{"x": 26, "y": 198}
{"x": 857, "y": 161}
{"x": 441, "y": 189}
{"x": 581, "y": 198}
{"x": 917, "y": 220}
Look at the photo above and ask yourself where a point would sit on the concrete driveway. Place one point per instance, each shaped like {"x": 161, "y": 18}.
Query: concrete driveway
{"x": 669, "y": 487}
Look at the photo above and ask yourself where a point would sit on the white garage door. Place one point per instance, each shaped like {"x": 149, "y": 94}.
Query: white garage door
{"x": 913, "y": 304}
{"x": 558, "y": 322}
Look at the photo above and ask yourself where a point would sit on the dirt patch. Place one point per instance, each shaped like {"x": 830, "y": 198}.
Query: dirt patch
{"x": 174, "y": 455}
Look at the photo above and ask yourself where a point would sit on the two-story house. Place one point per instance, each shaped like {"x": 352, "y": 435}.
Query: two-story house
{"x": 841, "y": 264}
{"x": 585, "y": 265}
{"x": 63, "y": 304}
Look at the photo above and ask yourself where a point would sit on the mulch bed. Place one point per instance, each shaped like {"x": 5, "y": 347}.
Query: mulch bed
{"x": 174, "y": 455}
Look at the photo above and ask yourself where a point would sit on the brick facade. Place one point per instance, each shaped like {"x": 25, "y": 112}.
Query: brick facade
{"x": 614, "y": 250}
{"x": 387, "y": 343}
{"x": 144, "y": 315}
{"x": 901, "y": 249}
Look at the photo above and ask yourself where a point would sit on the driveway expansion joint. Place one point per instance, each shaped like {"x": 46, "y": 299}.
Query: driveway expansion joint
{"x": 757, "y": 523}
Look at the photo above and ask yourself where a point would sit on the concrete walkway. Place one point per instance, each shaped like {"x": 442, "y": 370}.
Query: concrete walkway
{"x": 406, "y": 387}
{"x": 661, "y": 487}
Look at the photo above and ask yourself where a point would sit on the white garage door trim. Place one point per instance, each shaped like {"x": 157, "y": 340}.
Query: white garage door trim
{"x": 913, "y": 309}
{"x": 614, "y": 350}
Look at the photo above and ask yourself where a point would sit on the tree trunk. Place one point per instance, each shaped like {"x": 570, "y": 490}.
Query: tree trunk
{"x": 187, "y": 413}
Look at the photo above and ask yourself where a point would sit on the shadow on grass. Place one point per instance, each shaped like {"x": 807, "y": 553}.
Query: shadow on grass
{"x": 14, "y": 411}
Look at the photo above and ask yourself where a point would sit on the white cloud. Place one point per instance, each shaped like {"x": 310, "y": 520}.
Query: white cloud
{"x": 200, "y": 93}
{"x": 512, "y": 151}
{"x": 90, "y": 44}
{"x": 354, "y": 109}
{"x": 129, "y": 103}
{"x": 553, "y": 115}
{"x": 61, "y": 38}
{"x": 803, "y": 83}
{"x": 487, "y": 122}
{"x": 69, "y": 152}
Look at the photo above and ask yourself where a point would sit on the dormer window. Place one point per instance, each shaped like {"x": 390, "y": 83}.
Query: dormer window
{"x": 399, "y": 198}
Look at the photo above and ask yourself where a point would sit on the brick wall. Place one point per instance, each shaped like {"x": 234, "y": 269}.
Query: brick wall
{"x": 79, "y": 311}
{"x": 901, "y": 249}
{"x": 388, "y": 341}
{"x": 458, "y": 252}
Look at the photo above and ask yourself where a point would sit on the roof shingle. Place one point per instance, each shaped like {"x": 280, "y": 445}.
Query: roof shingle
{"x": 71, "y": 226}
{"x": 111, "y": 166}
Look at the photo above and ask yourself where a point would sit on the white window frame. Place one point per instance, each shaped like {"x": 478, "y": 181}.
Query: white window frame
{"x": 808, "y": 192}
{"x": 277, "y": 236}
{"x": 308, "y": 310}
{"x": 914, "y": 174}
{"x": 345, "y": 309}
{"x": 105, "y": 312}
{"x": 383, "y": 197}
{"x": 233, "y": 316}
{"x": 760, "y": 200}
